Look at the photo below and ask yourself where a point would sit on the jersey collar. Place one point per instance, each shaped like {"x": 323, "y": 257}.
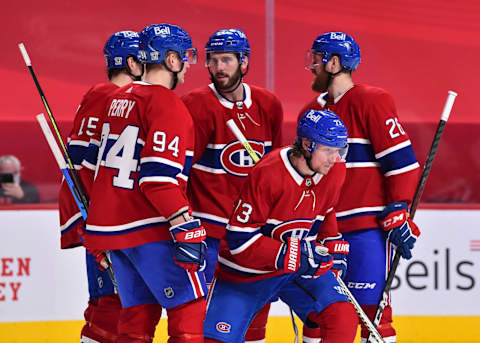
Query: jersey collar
{"x": 247, "y": 101}
{"x": 322, "y": 98}
{"x": 292, "y": 171}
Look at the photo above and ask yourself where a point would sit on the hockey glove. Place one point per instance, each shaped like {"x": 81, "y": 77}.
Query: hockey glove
{"x": 303, "y": 258}
{"x": 190, "y": 247}
{"x": 402, "y": 232}
{"x": 339, "y": 249}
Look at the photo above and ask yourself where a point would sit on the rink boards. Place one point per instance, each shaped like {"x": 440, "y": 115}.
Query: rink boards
{"x": 436, "y": 297}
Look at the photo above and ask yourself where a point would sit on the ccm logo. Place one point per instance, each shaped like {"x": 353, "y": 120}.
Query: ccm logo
{"x": 393, "y": 220}
{"x": 223, "y": 327}
{"x": 195, "y": 234}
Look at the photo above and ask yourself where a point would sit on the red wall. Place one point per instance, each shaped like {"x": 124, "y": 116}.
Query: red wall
{"x": 415, "y": 50}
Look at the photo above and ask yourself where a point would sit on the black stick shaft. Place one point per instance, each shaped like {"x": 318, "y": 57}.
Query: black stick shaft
{"x": 416, "y": 201}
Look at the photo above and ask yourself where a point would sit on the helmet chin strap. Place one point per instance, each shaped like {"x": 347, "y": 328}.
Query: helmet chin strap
{"x": 175, "y": 74}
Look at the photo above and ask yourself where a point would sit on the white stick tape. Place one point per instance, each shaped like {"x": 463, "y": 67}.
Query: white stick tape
{"x": 24, "y": 54}
{"x": 51, "y": 141}
{"x": 448, "y": 105}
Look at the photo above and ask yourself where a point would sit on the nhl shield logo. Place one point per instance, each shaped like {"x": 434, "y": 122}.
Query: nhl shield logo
{"x": 308, "y": 181}
{"x": 100, "y": 282}
{"x": 169, "y": 292}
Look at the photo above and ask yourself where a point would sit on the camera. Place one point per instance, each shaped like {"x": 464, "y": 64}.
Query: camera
{"x": 6, "y": 178}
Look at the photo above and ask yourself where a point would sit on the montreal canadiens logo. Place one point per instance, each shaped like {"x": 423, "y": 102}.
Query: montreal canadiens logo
{"x": 236, "y": 160}
{"x": 223, "y": 327}
{"x": 293, "y": 229}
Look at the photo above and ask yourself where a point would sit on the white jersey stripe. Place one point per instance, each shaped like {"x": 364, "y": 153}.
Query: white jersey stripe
{"x": 242, "y": 229}
{"x": 158, "y": 179}
{"x": 70, "y": 221}
{"x": 240, "y": 268}
{"x": 392, "y": 149}
{"x": 246, "y": 245}
{"x": 403, "y": 170}
{"x": 131, "y": 225}
{"x": 362, "y": 164}
{"x": 208, "y": 169}
{"x": 360, "y": 210}
{"x": 78, "y": 142}
{"x": 210, "y": 216}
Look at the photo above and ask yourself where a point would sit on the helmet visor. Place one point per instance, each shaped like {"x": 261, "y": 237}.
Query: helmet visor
{"x": 190, "y": 56}
{"x": 312, "y": 59}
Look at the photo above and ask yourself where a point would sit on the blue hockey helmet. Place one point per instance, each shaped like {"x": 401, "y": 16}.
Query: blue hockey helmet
{"x": 119, "y": 47}
{"x": 229, "y": 40}
{"x": 323, "y": 127}
{"x": 341, "y": 44}
{"x": 156, "y": 40}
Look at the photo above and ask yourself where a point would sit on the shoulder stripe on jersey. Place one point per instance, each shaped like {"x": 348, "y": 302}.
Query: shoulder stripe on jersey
{"x": 161, "y": 160}
{"x": 392, "y": 149}
{"x": 158, "y": 179}
{"x": 88, "y": 165}
{"x": 274, "y": 221}
{"x": 208, "y": 169}
{"x": 78, "y": 142}
{"x": 359, "y": 210}
{"x": 362, "y": 164}
{"x": 358, "y": 141}
{"x": 242, "y": 228}
{"x": 128, "y": 226}
{"x": 70, "y": 222}
{"x": 245, "y": 245}
{"x": 215, "y": 146}
{"x": 188, "y": 153}
{"x": 240, "y": 268}
{"x": 183, "y": 177}
{"x": 403, "y": 170}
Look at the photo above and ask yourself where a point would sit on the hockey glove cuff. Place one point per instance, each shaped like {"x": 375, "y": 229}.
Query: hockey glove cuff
{"x": 339, "y": 249}
{"x": 402, "y": 232}
{"x": 190, "y": 246}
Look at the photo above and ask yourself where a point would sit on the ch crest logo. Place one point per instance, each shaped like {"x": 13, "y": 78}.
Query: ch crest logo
{"x": 169, "y": 292}
{"x": 223, "y": 327}
{"x": 235, "y": 160}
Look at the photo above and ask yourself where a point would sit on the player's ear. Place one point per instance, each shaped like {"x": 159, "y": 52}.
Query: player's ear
{"x": 245, "y": 64}
{"x": 171, "y": 59}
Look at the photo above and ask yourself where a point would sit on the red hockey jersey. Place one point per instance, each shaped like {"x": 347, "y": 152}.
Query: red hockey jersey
{"x": 276, "y": 202}
{"x": 381, "y": 165}
{"x": 85, "y": 126}
{"x": 142, "y": 167}
{"x": 220, "y": 161}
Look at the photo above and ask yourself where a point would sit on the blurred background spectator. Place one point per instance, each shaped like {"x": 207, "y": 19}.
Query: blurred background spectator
{"x": 14, "y": 190}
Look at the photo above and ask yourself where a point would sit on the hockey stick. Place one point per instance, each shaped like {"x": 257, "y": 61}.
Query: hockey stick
{"x": 416, "y": 200}
{"x": 78, "y": 189}
{"x": 243, "y": 140}
{"x": 68, "y": 178}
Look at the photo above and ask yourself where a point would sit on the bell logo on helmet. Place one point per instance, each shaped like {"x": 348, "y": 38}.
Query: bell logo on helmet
{"x": 130, "y": 34}
{"x": 314, "y": 117}
{"x": 337, "y": 35}
{"x": 161, "y": 30}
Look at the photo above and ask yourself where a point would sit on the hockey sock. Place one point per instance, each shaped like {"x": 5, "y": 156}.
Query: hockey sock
{"x": 137, "y": 324}
{"x": 258, "y": 326}
{"x": 338, "y": 323}
{"x": 185, "y": 322}
{"x": 311, "y": 335}
{"x": 385, "y": 329}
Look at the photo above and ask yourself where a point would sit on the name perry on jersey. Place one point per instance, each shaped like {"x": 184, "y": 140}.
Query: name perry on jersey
{"x": 120, "y": 108}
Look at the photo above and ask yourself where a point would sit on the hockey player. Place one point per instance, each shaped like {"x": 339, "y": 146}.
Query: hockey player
{"x": 272, "y": 246}
{"x": 138, "y": 208}
{"x": 220, "y": 161}
{"x": 382, "y": 172}
{"x": 102, "y": 313}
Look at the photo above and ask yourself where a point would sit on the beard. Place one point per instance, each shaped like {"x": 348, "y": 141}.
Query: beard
{"x": 321, "y": 82}
{"x": 233, "y": 81}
